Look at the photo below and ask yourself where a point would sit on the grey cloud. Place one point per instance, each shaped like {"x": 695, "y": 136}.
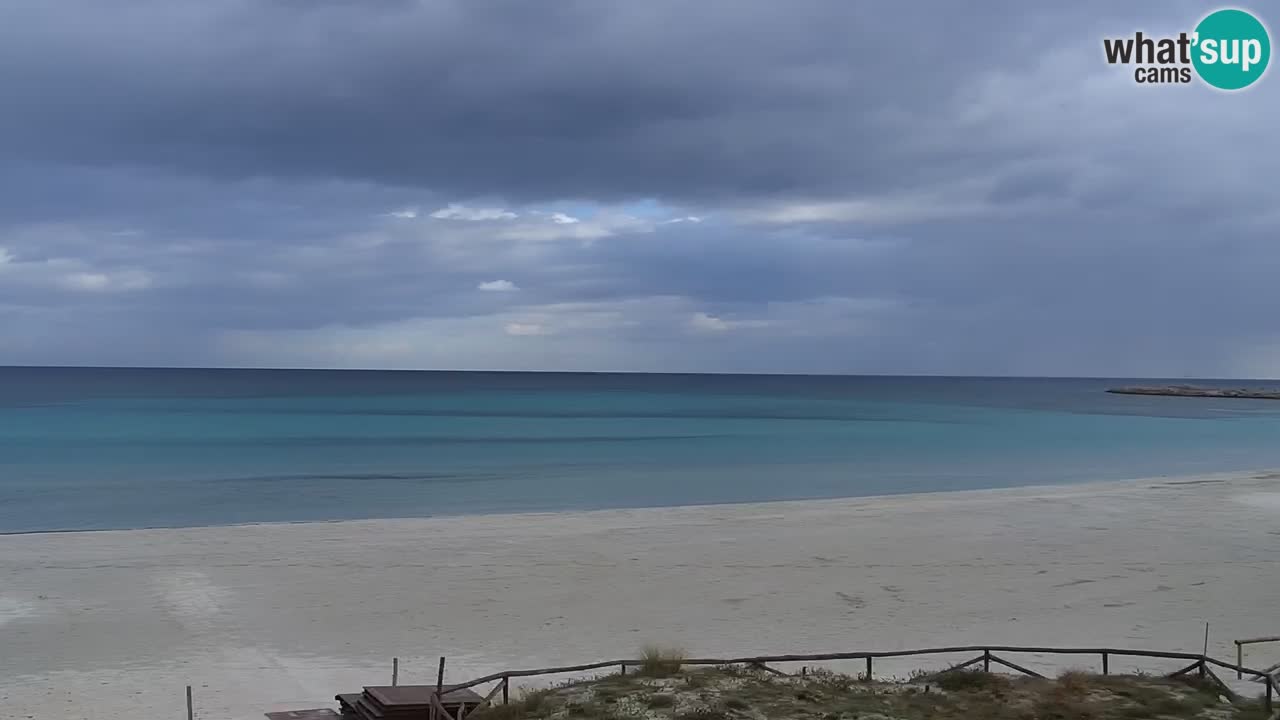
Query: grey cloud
{"x": 554, "y": 100}
{"x": 929, "y": 187}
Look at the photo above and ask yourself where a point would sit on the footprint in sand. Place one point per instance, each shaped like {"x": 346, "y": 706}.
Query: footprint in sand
{"x": 1073, "y": 582}
{"x": 853, "y": 601}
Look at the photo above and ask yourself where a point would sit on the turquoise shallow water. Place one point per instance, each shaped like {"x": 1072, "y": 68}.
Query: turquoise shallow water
{"x": 117, "y": 448}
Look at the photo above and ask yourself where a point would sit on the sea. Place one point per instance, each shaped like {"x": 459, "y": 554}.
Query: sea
{"x": 113, "y": 448}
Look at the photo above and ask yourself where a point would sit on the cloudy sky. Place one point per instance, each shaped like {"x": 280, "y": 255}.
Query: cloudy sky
{"x": 721, "y": 185}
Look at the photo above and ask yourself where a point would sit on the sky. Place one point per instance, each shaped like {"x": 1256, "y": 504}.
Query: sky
{"x": 810, "y": 186}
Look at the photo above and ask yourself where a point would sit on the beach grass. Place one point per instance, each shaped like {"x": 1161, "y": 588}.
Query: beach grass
{"x": 743, "y": 693}
{"x": 660, "y": 662}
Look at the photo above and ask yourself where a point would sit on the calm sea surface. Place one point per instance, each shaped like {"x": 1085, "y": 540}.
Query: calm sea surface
{"x": 120, "y": 448}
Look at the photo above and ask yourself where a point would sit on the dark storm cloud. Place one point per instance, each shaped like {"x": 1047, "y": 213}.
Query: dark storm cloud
{"x": 529, "y": 100}
{"x": 881, "y": 187}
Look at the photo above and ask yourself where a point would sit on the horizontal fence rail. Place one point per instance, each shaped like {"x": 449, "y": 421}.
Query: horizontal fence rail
{"x": 1199, "y": 663}
{"x": 1272, "y": 671}
{"x": 818, "y": 657}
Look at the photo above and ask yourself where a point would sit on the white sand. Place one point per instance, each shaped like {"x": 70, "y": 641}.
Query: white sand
{"x": 114, "y": 624}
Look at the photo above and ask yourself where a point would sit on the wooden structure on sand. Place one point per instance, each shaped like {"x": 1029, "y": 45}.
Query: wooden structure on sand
{"x": 406, "y": 702}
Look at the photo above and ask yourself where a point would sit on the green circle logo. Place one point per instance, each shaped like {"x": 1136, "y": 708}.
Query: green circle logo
{"x": 1232, "y": 49}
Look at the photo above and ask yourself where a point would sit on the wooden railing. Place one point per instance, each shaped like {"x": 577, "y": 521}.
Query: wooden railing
{"x": 1199, "y": 663}
{"x": 1272, "y": 671}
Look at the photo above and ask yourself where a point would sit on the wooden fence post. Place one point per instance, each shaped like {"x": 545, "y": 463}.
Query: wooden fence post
{"x": 1201, "y": 669}
{"x": 191, "y": 713}
{"x": 506, "y": 683}
{"x": 986, "y": 661}
{"x": 438, "y": 710}
{"x": 395, "y": 671}
{"x": 1105, "y": 669}
{"x": 1270, "y": 682}
{"x": 868, "y": 668}
{"x": 1239, "y": 661}
{"x": 439, "y": 688}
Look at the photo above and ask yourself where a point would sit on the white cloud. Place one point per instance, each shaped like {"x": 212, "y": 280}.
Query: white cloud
{"x": 84, "y": 281}
{"x": 686, "y": 219}
{"x": 535, "y": 338}
{"x": 634, "y": 334}
{"x": 105, "y": 281}
{"x": 961, "y": 200}
{"x": 455, "y": 211}
{"x": 408, "y": 213}
{"x": 498, "y": 286}
{"x": 600, "y": 226}
{"x": 73, "y": 274}
{"x": 526, "y": 329}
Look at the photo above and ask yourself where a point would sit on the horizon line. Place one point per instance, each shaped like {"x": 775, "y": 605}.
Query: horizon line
{"x": 235, "y": 368}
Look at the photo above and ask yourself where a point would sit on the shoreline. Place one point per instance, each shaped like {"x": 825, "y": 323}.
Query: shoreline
{"x": 282, "y": 616}
{"x": 1257, "y": 473}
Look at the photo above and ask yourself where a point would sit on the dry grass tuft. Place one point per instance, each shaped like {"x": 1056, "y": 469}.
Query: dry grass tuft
{"x": 660, "y": 662}
{"x": 971, "y": 680}
{"x": 1059, "y": 703}
{"x": 1075, "y": 682}
{"x": 531, "y": 701}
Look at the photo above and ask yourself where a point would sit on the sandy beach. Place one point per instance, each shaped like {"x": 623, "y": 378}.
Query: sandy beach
{"x": 108, "y": 625}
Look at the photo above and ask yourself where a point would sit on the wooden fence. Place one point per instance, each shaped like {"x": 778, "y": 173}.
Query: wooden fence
{"x": 1200, "y": 664}
{"x": 1272, "y": 671}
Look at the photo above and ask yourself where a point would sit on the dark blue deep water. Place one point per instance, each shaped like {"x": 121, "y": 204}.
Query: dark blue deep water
{"x": 85, "y": 448}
